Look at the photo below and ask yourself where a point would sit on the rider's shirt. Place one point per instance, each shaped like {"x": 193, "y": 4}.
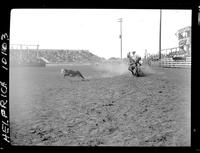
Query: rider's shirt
{"x": 135, "y": 57}
{"x": 131, "y": 60}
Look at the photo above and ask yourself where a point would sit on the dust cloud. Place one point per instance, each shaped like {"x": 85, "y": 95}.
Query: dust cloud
{"x": 147, "y": 69}
{"x": 116, "y": 69}
{"x": 110, "y": 69}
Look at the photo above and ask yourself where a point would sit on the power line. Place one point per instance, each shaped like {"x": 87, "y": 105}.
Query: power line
{"x": 160, "y": 34}
{"x": 120, "y": 36}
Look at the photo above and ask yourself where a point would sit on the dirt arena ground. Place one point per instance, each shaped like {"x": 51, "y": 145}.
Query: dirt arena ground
{"x": 107, "y": 109}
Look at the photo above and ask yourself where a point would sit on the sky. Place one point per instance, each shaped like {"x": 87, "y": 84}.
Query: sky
{"x": 98, "y": 30}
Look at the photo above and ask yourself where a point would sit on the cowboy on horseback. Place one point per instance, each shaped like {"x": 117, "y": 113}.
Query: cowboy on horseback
{"x": 134, "y": 60}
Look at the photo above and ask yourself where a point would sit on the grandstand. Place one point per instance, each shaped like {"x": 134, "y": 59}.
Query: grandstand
{"x": 26, "y": 56}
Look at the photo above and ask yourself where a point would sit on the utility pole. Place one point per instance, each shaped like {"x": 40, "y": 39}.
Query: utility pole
{"x": 145, "y": 54}
{"x": 160, "y": 34}
{"x": 37, "y": 54}
{"x": 20, "y": 53}
{"x": 120, "y": 36}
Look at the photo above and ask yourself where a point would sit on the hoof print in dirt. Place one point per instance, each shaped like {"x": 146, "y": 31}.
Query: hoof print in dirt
{"x": 33, "y": 131}
{"x": 112, "y": 130}
{"x": 95, "y": 142}
{"x": 157, "y": 140}
{"x": 111, "y": 104}
{"x": 45, "y": 138}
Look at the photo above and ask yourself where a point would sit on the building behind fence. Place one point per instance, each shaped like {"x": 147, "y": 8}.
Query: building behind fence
{"x": 182, "y": 52}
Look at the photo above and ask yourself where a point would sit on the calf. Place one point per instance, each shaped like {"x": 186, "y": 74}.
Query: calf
{"x": 71, "y": 73}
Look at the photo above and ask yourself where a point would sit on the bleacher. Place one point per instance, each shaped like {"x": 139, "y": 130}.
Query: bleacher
{"x": 53, "y": 56}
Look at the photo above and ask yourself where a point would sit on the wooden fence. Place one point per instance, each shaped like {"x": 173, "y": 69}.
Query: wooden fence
{"x": 169, "y": 62}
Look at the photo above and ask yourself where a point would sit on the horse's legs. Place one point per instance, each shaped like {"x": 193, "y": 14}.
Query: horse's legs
{"x": 81, "y": 75}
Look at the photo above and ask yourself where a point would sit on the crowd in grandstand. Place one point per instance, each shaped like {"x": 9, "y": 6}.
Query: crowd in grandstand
{"x": 53, "y": 56}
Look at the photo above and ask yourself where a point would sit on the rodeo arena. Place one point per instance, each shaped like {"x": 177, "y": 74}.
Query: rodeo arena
{"x": 75, "y": 98}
